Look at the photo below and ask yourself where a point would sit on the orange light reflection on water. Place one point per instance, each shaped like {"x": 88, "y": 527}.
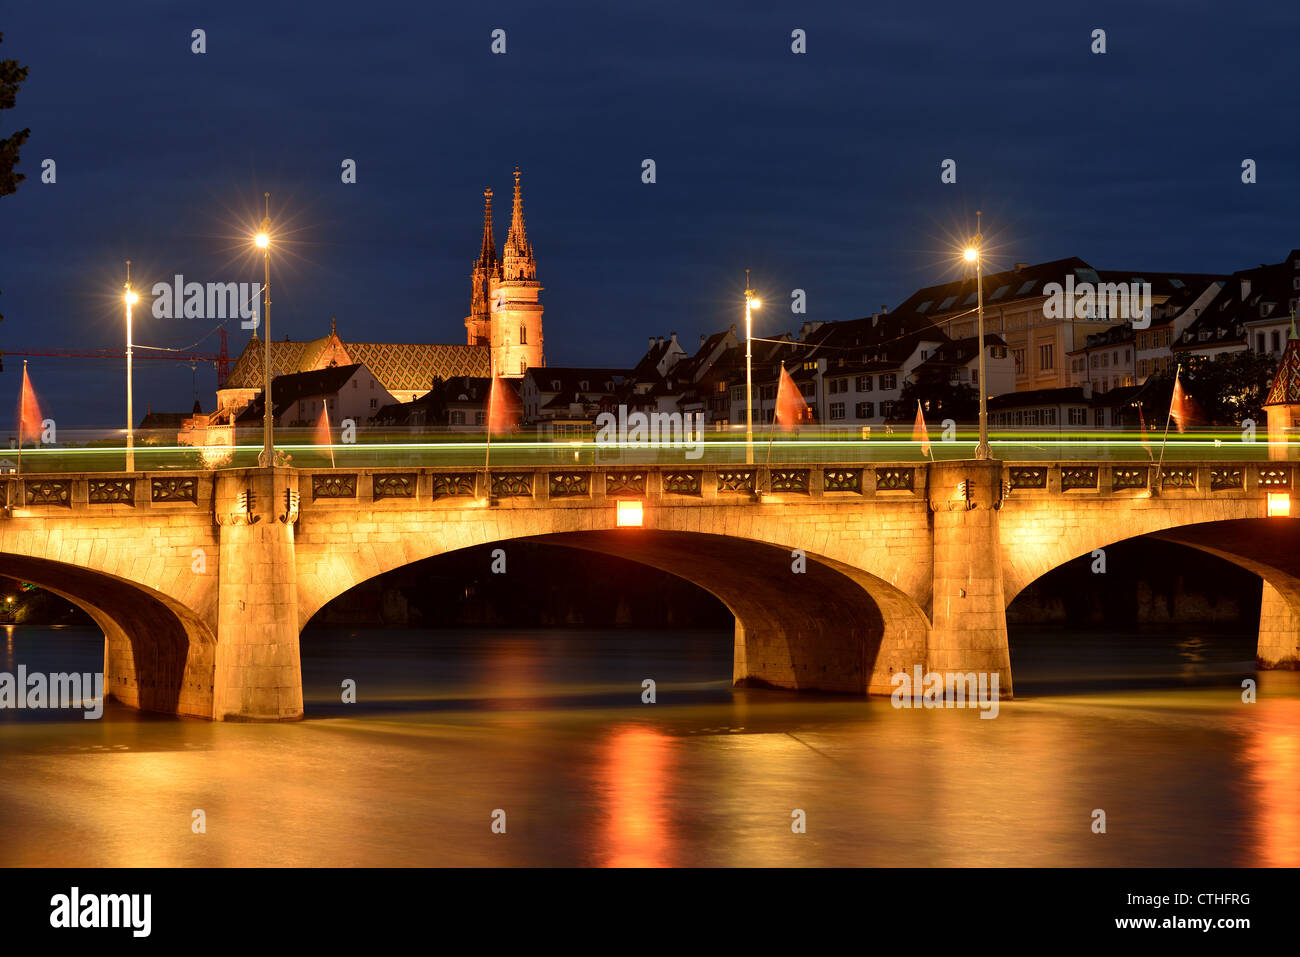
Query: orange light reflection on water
{"x": 634, "y": 781}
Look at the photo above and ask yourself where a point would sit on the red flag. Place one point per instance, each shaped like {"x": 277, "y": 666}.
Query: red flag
{"x": 29, "y": 413}
{"x": 791, "y": 409}
{"x": 504, "y": 411}
{"x": 323, "y": 427}
{"x": 323, "y": 436}
{"x": 1182, "y": 407}
{"x": 919, "y": 433}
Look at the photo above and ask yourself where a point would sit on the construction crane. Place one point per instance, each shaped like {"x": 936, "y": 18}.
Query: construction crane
{"x": 222, "y": 359}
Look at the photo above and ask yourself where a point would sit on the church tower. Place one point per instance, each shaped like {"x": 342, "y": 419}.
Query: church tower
{"x": 514, "y": 304}
{"x": 486, "y": 269}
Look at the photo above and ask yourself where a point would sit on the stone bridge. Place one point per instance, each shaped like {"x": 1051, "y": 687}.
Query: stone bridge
{"x": 838, "y": 575}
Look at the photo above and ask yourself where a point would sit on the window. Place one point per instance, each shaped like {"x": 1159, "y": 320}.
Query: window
{"x": 355, "y": 384}
{"x": 888, "y": 381}
{"x": 1046, "y": 357}
{"x": 864, "y": 383}
{"x": 1077, "y": 416}
{"x": 523, "y": 335}
{"x": 808, "y": 389}
{"x": 767, "y": 392}
{"x": 478, "y": 418}
{"x": 374, "y": 403}
{"x": 1099, "y": 418}
{"x": 865, "y": 410}
{"x": 810, "y": 366}
{"x": 457, "y": 418}
{"x": 837, "y": 410}
{"x": 887, "y": 409}
{"x": 838, "y": 385}
{"x": 1019, "y": 356}
{"x": 1259, "y": 342}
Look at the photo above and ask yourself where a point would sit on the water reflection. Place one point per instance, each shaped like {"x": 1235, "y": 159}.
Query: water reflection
{"x": 634, "y": 782}
{"x": 551, "y": 727}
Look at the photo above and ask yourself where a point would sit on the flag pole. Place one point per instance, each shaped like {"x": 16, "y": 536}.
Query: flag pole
{"x": 329, "y": 437}
{"x": 1178, "y": 369}
{"x": 771, "y": 432}
{"x": 487, "y": 425}
{"x": 22, "y": 401}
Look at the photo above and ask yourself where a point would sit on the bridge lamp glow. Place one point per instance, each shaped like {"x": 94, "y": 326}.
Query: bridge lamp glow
{"x": 971, "y": 254}
{"x": 262, "y": 240}
{"x": 630, "y": 514}
{"x": 1279, "y": 504}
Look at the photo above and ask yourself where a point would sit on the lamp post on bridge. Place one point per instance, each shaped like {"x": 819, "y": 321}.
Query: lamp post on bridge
{"x": 975, "y": 253}
{"x": 130, "y": 298}
{"x": 751, "y": 303}
{"x": 263, "y": 242}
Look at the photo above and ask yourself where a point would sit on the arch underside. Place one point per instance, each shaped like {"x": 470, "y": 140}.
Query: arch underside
{"x": 829, "y": 627}
{"x": 1268, "y": 547}
{"x": 158, "y": 654}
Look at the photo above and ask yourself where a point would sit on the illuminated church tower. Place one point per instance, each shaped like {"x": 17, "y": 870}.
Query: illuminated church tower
{"x": 478, "y": 322}
{"x": 514, "y": 299}
{"x": 505, "y": 309}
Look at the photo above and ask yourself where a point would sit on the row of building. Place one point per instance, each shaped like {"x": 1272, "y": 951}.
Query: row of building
{"x": 1066, "y": 346}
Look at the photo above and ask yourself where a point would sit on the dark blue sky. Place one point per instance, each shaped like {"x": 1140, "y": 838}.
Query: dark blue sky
{"x": 818, "y": 171}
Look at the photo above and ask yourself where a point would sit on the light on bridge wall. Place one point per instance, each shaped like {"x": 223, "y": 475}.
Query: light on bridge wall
{"x": 1279, "y": 504}
{"x": 630, "y": 514}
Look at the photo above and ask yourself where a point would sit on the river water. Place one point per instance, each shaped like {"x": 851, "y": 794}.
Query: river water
{"x": 549, "y": 727}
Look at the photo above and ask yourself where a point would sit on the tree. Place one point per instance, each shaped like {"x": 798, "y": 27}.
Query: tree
{"x": 939, "y": 396}
{"x": 11, "y": 77}
{"x": 1229, "y": 388}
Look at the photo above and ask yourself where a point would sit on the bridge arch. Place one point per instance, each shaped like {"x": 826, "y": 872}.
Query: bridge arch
{"x": 158, "y": 655}
{"x": 829, "y": 626}
{"x": 1266, "y": 547}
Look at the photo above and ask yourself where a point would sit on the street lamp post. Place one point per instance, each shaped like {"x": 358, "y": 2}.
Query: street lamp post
{"x": 975, "y": 253}
{"x": 751, "y": 303}
{"x": 130, "y": 298}
{"x": 263, "y": 242}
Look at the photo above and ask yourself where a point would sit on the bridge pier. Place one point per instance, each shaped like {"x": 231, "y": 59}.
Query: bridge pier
{"x": 258, "y": 674}
{"x": 1279, "y": 630}
{"x": 969, "y": 622}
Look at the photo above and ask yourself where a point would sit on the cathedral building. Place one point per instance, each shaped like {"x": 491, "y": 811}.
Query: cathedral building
{"x": 504, "y": 335}
{"x": 505, "y": 310}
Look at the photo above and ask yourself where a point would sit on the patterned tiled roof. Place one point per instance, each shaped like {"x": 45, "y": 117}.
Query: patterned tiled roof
{"x": 1286, "y": 384}
{"x": 399, "y": 366}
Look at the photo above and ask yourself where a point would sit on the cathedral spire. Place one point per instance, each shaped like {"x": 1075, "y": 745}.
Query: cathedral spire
{"x": 517, "y": 257}
{"x": 488, "y": 254}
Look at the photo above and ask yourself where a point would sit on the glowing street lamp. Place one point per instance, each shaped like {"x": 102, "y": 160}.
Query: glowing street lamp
{"x": 974, "y": 253}
{"x": 752, "y": 302}
{"x": 130, "y": 298}
{"x": 263, "y": 242}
